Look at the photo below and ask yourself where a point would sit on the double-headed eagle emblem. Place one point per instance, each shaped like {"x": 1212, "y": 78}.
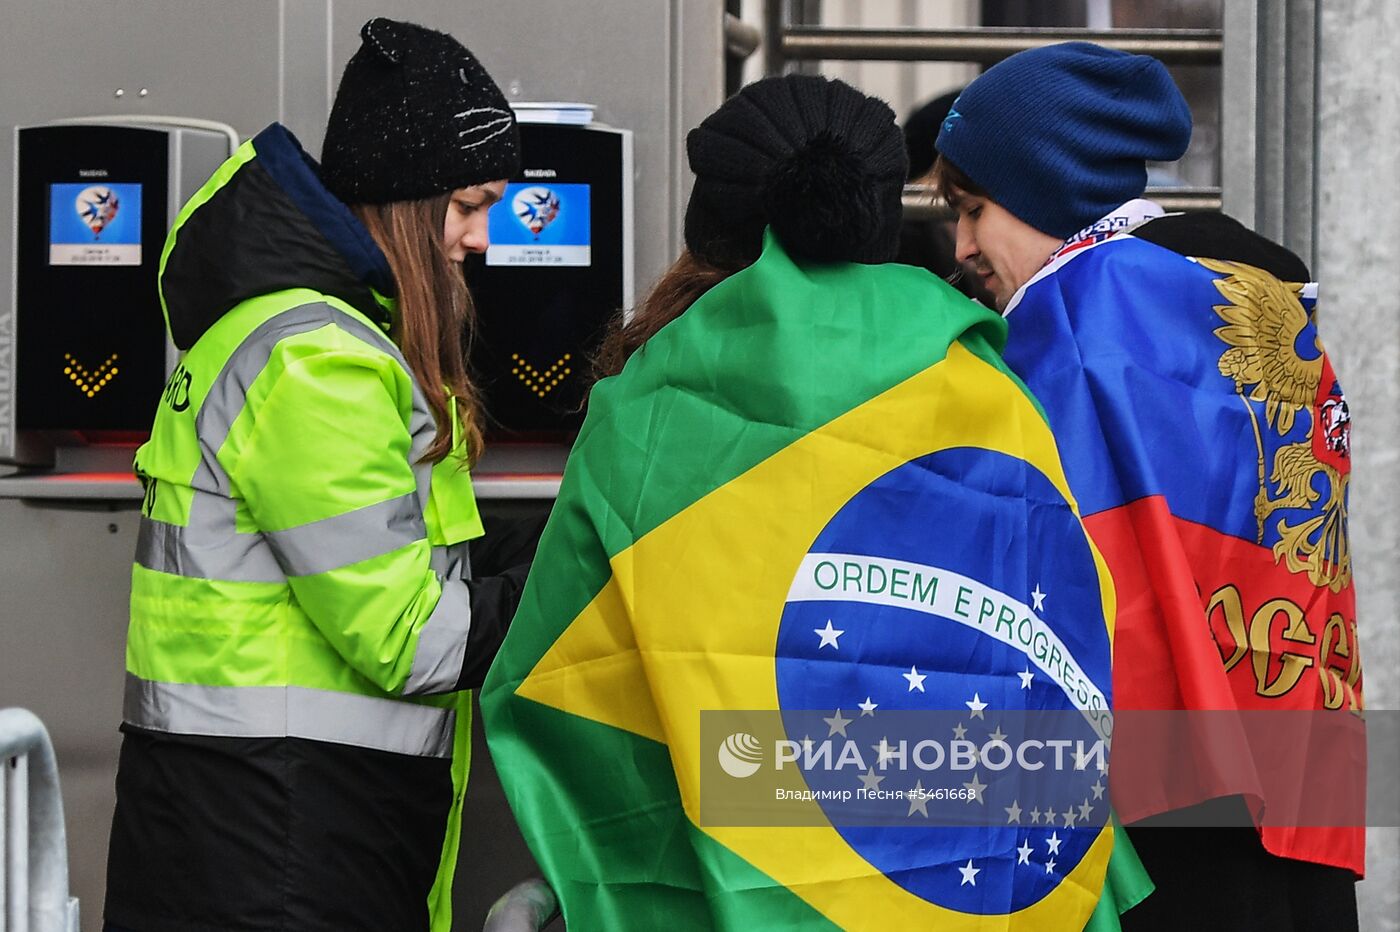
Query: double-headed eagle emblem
{"x": 1263, "y": 320}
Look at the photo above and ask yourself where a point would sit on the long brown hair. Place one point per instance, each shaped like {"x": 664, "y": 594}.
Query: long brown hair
{"x": 435, "y": 317}
{"x": 675, "y": 291}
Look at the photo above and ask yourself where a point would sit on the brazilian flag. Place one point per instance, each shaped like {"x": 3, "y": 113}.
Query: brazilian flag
{"x": 800, "y": 416}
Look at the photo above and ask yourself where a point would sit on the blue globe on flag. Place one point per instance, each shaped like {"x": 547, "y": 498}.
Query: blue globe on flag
{"x": 955, "y": 599}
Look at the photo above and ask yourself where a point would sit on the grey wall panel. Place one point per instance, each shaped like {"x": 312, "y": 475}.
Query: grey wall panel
{"x": 206, "y": 58}
{"x": 306, "y": 69}
{"x": 1358, "y": 246}
{"x": 697, "y": 83}
{"x": 68, "y": 58}
{"x": 1269, "y": 88}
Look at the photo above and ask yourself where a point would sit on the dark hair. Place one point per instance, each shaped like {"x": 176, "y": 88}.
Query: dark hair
{"x": 947, "y": 179}
{"x": 435, "y": 318}
{"x": 921, "y": 130}
{"x": 675, "y": 291}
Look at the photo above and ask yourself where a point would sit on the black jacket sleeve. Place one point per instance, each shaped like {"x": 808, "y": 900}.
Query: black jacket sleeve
{"x": 500, "y": 563}
{"x": 1209, "y": 235}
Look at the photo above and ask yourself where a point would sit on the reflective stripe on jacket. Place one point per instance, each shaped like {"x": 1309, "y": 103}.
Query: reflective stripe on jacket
{"x": 291, "y": 576}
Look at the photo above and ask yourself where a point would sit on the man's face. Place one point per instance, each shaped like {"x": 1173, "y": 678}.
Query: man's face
{"x": 1003, "y": 250}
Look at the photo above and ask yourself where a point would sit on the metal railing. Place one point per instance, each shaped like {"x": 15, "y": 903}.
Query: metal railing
{"x": 988, "y": 44}
{"x": 921, "y": 202}
{"x": 33, "y": 846}
{"x": 788, "y": 41}
{"x": 740, "y": 39}
{"x": 527, "y": 907}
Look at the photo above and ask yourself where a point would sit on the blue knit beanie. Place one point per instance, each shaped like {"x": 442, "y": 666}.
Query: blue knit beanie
{"x": 1060, "y": 135}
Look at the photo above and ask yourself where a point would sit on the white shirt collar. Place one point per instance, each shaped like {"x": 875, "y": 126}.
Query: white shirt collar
{"x": 1119, "y": 220}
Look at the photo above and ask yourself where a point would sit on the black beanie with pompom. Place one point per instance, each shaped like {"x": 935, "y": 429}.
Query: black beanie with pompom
{"x": 821, "y": 163}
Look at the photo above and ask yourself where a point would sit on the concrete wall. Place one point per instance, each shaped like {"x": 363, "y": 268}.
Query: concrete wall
{"x": 1358, "y": 253}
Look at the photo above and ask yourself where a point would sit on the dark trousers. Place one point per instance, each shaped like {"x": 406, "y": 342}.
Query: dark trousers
{"x": 1221, "y": 878}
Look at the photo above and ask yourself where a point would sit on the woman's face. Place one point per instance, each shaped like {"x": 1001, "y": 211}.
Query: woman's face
{"x": 464, "y": 230}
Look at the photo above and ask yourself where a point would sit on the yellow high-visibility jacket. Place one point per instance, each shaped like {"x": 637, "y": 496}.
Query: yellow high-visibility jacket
{"x": 303, "y": 618}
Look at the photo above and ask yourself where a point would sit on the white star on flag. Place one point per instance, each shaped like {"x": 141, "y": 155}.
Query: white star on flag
{"x": 959, "y": 731}
{"x": 1054, "y": 842}
{"x": 915, "y": 678}
{"x": 1038, "y": 598}
{"x": 828, "y": 635}
{"x": 1035, "y": 816}
{"x": 1084, "y": 810}
{"x": 1098, "y": 789}
{"x": 1023, "y": 853}
{"x": 867, "y": 707}
{"x": 918, "y": 802}
{"x": 997, "y": 735}
{"x": 976, "y": 786}
{"x": 871, "y": 781}
{"x": 837, "y": 724}
{"x": 885, "y": 750}
{"x": 1069, "y": 817}
{"x": 1050, "y": 866}
{"x": 1026, "y": 677}
{"x": 969, "y": 874}
{"x": 976, "y": 705}
{"x": 1013, "y": 811}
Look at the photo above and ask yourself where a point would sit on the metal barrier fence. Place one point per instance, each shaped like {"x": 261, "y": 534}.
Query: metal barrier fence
{"x": 33, "y": 846}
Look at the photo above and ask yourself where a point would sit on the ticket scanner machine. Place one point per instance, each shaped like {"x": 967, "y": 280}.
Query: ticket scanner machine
{"x": 559, "y": 266}
{"x": 86, "y": 357}
{"x": 86, "y": 354}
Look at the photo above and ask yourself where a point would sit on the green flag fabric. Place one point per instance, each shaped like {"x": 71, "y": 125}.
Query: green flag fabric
{"x": 793, "y": 414}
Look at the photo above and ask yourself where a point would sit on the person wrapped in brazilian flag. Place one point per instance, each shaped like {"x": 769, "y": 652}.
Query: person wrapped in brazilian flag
{"x": 793, "y": 416}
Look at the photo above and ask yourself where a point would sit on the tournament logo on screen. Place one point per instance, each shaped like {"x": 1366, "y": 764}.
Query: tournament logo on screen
{"x": 95, "y": 224}
{"x": 97, "y": 206}
{"x": 535, "y": 224}
{"x": 536, "y": 208}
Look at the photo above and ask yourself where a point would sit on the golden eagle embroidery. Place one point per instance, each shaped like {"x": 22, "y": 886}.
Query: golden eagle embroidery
{"x": 1263, "y": 320}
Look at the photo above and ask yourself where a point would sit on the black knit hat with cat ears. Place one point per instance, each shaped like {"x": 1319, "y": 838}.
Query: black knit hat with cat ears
{"x": 415, "y": 116}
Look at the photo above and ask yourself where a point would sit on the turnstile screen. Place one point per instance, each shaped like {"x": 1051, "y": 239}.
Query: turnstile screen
{"x": 90, "y": 338}
{"x": 94, "y": 224}
{"x": 550, "y": 281}
{"x": 541, "y": 224}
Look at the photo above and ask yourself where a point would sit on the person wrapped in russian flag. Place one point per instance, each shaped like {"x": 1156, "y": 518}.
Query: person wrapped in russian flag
{"x": 1207, "y": 440}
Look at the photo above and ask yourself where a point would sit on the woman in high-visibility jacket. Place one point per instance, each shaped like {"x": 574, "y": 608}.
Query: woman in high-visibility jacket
{"x": 305, "y": 618}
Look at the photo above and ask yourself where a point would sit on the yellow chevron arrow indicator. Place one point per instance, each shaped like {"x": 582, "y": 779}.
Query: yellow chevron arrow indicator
{"x": 90, "y": 382}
